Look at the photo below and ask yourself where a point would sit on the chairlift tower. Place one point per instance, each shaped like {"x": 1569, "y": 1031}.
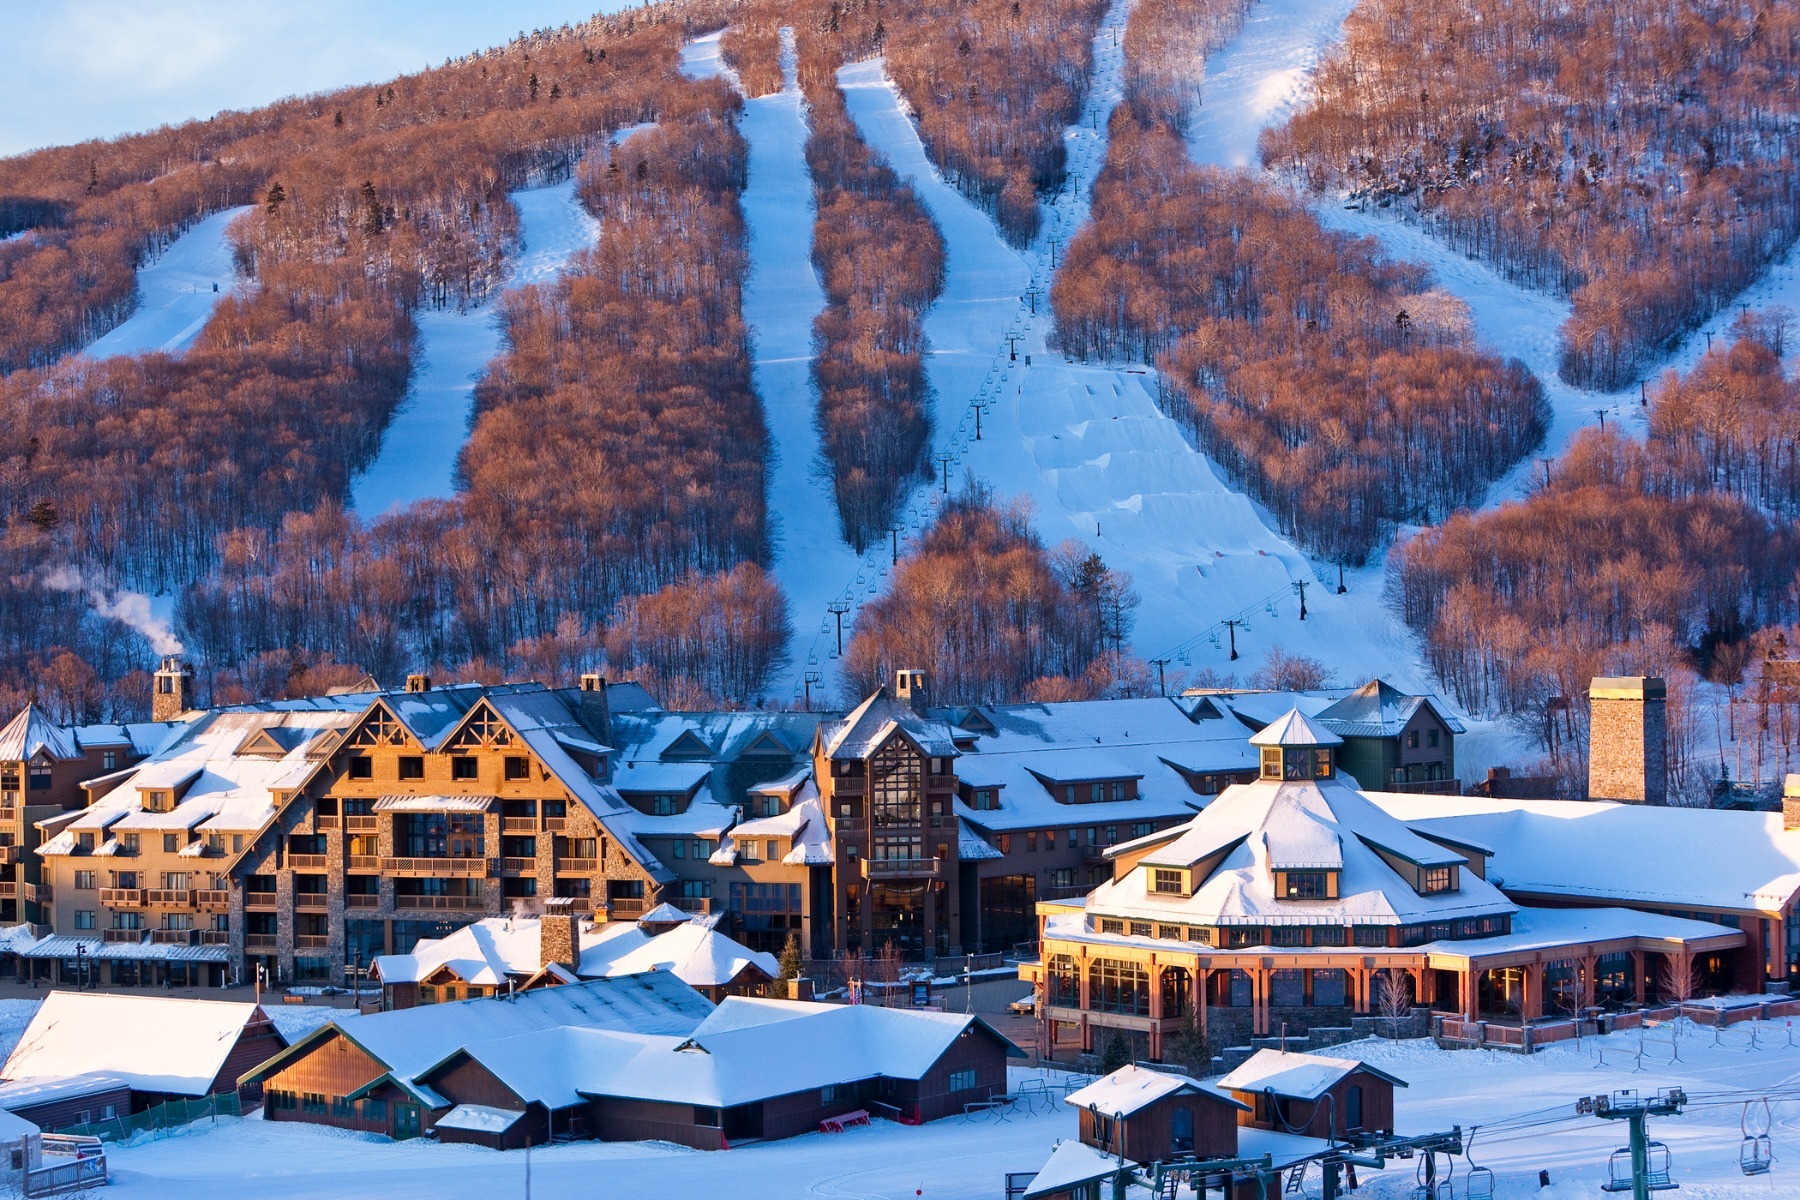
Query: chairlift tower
{"x": 1649, "y": 1161}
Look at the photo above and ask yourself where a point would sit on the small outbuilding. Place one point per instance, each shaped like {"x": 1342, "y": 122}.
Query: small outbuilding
{"x": 1311, "y": 1095}
{"x": 1154, "y": 1116}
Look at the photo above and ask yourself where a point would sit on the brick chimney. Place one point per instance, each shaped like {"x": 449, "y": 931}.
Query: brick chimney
{"x": 1790, "y": 802}
{"x": 909, "y": 688}
{"x": 173, "y": 691}
{"x": 418, "y": 683}
{"x": 1628, "y": 756}
{"x": 596, "y": 714}
{"x": 559, "y": 934}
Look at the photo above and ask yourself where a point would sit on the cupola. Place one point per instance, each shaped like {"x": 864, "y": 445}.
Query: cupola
{"x": 1294, "y": 749}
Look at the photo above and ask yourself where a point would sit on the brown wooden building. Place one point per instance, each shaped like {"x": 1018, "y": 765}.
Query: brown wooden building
{"x": 1313, "y": 1095}
{"x": 1155, "y": 1116}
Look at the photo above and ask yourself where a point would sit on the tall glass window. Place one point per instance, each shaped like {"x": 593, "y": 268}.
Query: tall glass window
{"x": 895, "y": 789}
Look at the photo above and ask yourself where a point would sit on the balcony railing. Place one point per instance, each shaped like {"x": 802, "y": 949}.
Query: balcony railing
{"x": 434, "y": 867}
{"x": 693, "y": 904}
{"x": 311, "y": 900}
{"x": 362, "y": 900}
{"x": 453, "y": 902}
{"x": 37, "y": 893}
{"x": 556, "y": 824}
{"x": 902, "y": 868}
{"x": 362, "y": 824}
{"x": 9, "y": 890}
{"x": 9, "y": 855}
{"x": 850, "y": 824}
{"x": 308, "y": 862}
{"x": 518, "y": 824}
{"x": 181, "y": 897}
{"x": 628, "y": 906}
{"x": 215, "y": 937}
{"x": 312, "y": 941}
{"x": 362, "y": 862}
{"x": 212, "y": 899}
{"x": 328, "y": 822}
{"x": 515, "y": 865}
{"x": 175, "y": 937}
{"x": 577, "y": 866}
{"x": 259, "y": 941}
{"x": 260, "y": 901}
{"x": 121, "y": 935}
{"x": 938, "y": 783}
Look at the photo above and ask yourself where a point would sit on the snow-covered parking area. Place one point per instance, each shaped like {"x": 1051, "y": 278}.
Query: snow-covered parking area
{"x": 1523, "y": 1108}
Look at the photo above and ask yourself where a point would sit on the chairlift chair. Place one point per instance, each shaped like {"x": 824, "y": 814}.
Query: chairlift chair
{"x": 1618, "y": 1171}
{"x": 1756, "y": 1155}
{"x": 1478, "y": 1184}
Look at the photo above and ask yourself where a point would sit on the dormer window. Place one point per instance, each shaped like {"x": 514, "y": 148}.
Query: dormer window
{"x": 1433, "y": 880}
{"x": 1306, "y": 885}
{"x": 158, "y": 801}
{"x": 1168, "y": 881}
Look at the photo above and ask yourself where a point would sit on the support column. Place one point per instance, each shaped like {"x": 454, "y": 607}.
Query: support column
{"x": 1202, "y": 976}
{"x": 1259, "y": 1000}
{"x": 1637, "y": 976}
{"x": 1154, "y": 974}
{"x": 1470, "y": 991}
{"x": 1531, "y": 991}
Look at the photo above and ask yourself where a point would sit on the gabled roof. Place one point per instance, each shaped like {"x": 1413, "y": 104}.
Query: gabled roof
{"x": 1297, "y": 1076}
{"x": 872, "y": 722}
{"x": 1293, "y": 729}
{"x": 154, "y": 1043}
{"x": 410, "y": 1041}
{"x": 32, "y": 731}
{"x": 1378, "y": 709}
{"x": 698, "y": 955}
{"x": 1133, "y": 1088}
{"x": 1072, "y": 1163}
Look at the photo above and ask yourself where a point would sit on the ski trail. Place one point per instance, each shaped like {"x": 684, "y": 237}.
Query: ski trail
{"x": 1088, "y": 444}
{"x": 419, "y": 447}
{"x": 177, "y": 291}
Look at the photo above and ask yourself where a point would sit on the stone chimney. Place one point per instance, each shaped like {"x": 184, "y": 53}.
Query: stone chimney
{"x": 559, "y": 934}
{"x": 1628, "y": 754}
{"x": 173, "y": 691}
{"x": 1790, "y": 802}
{"x": 909, "y": 688}
{"x": 418, "y": 683}
{"x": 596, "y": 714}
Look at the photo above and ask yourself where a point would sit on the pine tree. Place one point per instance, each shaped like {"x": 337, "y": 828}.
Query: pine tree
{"x": 93, "y": 183}
{"x": 556, "y": 91}
{"x": 1116, "y": 1053}
{"x": 533, "y": 85}
{"x": 373, "y": 223}
{"x": 277, "y": 196}
{"x": 792, "y": 963}
{"x": 43, "y": 514}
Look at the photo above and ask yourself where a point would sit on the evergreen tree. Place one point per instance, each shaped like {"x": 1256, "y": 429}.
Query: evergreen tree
{"x": 533, "y": 85}
{"x": 373, "y": 224}
{"x": 792, "y": 963}
{"x": 1116, "y": 1053}
{"x": 276, "y": 197}
{"x": 43, "y": 514}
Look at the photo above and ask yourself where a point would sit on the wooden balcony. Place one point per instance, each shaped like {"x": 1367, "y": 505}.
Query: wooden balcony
{"x": 848, "y": 787}
{"x": 515, "y": 866}
{"x": 37, "y": 893}
{"x": 260, "y": 901}
{"x": 259, "y": 941}
{"x": 362, "y": 900}
{"x": 694, "y": 904}
{"x": 434, "y": 868}
{"x": 940, "y": 783}
{"x": 9, "y": 890}
{"x": 312, "y": 941}
{"x": 556, "y": 824}
{"x": 577, "y": 866}
{"x": 215, "y": 937}
{"x": 362, "y": 862}
{"x": 175, "y": 897}
{"x": 855, "y": 825}
{"x": 518, "y": 824}
{"x": 175, "y": 937}
{"x": 329, "y": 822}
{"x": 312, "y": 900}
{"x": 212, "y": 899}
{"x": 902, "y": 868}
{"x": 463, "y": 903}
{"x": 122, "y": 935}
{"x": 307, "y": 862}
{"x": 362, "y": 824}
{"x": 9, "y": 855}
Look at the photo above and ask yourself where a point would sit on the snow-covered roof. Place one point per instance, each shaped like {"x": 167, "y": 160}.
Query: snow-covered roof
{"x": 47, "y": 1089}
{"x": 803, "y": 824}
{"x": 30, "y": 732}
{"x": 1631, "y": 853}
{"x": 410, "y": 1041}
{"x": 1293, "y": 729}
{"x": 1378, "y": 709}
{"x": 651, "y": 776}
{"x": 1072, "y": 1163}
{"x": 971, "y": 846}
{"x": 665, "y": 914}
{"x": 872, "y": 722}
{"x": 748, "y": 1050}
{"x": 155, "y": 1043}
{"x": 697, "y": 955}
{"x": 1132, "y": 1088}
{"x": 1255, "y": 829}
{"x": 479, "y": 1118}
{"x": 1535, "y": 929}
{"x": 12, "y": 1128}
{"x": 67, "y": 946}
{"x": 1297, "y": 1076}
{"x": 490, "y": 951}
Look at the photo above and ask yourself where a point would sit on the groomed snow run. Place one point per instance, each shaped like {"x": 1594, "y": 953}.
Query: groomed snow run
{"x": 1520, "y": 1108}
{"x": 420, "y": 445}
{"x": 1088, "y": 445}
{"x": 176, "y": 291}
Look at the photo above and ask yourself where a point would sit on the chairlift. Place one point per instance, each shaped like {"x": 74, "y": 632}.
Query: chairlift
{"x": 1656, "y": 1169}
{"x": 1479, "y": 1183}
{"x": 1429, "y": 1187}
{"x": 1756, "y": 1153}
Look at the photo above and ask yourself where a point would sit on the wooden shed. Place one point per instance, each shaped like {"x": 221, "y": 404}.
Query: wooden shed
{"x": 1312, "y": 1095}
{"x": 1153, "y": 1116}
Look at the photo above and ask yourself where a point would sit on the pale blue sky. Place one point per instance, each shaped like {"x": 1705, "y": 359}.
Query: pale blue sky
{"x": 77, "y": 69}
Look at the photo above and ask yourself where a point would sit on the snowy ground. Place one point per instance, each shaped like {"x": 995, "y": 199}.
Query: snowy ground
{"x": 1522, "y": 1108}
{"x": 177, "y": 291}
{"x": 419, "y": 447}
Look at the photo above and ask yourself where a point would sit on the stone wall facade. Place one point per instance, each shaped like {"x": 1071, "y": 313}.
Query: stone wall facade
{"x": 1628, "y": 754}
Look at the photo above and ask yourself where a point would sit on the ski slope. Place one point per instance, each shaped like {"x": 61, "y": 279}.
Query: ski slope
{"x": 1089, "y": 446}
{"x": 419, "y": 448}
{"x": 176, "y": 291}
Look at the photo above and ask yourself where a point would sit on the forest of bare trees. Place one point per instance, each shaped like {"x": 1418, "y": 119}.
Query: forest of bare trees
{"x": 1640, "y": 158}
{"x": 991, "y": 614}
{"x": 1344, "y": 392}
